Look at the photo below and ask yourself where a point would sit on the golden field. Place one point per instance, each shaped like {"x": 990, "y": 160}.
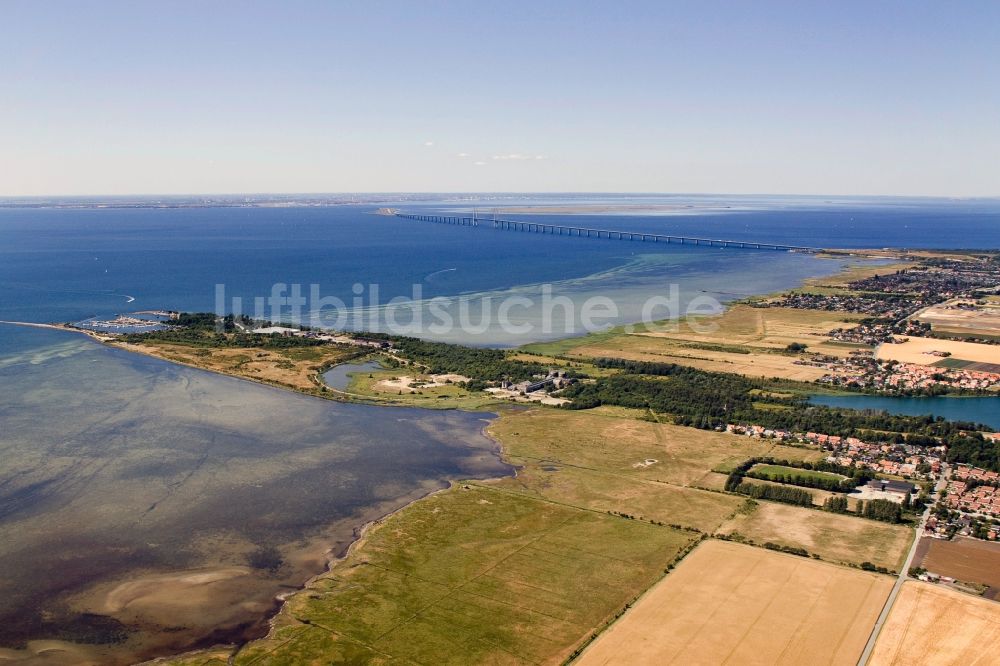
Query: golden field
{"x": 834, "y": 537}
{"x": 743, "y": 340}
{"x": 919, "y": 351}
{"x": 930, "y": 624}
{"x": 728, "y": 603}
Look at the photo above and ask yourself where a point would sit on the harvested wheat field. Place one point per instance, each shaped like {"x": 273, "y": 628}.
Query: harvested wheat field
{"x": 927, "y": 351}
{"x": 934, "y": 625}
{"x": 727, "y": 603}
{"x": 743, "y": 339}
{"x": 834, "y": 537}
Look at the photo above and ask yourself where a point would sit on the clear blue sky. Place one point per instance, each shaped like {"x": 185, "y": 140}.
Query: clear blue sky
{"x": 837, "y": 97}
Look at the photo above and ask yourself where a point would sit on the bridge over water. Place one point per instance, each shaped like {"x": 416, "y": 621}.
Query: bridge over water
{"x": 612, "y": 234}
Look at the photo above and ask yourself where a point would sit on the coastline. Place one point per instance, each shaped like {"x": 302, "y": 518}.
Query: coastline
{"x": 321, "y": 548}
{"x": 361, "y": 534}
{"x": 363, "y": 531}
{"x": 327, "y": 392}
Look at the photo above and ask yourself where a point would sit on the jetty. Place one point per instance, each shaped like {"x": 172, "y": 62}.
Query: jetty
{"x": 610, "y": 234}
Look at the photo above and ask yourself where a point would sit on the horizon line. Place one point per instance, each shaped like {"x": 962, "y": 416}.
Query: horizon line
{"x": 386, "y": 193}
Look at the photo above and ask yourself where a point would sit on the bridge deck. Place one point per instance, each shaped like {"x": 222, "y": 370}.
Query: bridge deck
{"x": 563, "y": 230}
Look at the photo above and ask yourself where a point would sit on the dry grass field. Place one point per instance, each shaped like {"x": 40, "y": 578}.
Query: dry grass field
{"x": 968, "y": 560}
{"x": 294, "y": 368}
{"x": 918, "y": 351}
{"x": 743, "y": 340}
{"x": 983, "y": 320}
{"x": 471, "y": 575}
{"x": 646, "y": 500}
{"x": 599, "y": 441}
{"x": 732, "y": 604}
{"x": 930, "y": 624}
{"x": 834, "y": 537}
{"x": 297, "y": 368}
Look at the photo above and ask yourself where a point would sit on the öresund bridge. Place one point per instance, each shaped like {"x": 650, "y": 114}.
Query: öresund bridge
{"x": 611, "y": 234}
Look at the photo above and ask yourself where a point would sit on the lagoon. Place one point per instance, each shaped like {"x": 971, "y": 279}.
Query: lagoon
{"x": 339, "y": 376}
{"x": 984, "y": 409}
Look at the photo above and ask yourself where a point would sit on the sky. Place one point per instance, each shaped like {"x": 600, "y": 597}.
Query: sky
{"x": 839, "y": 97}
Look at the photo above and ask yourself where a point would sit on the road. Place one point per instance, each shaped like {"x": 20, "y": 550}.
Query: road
{"x": 904, "y": 570}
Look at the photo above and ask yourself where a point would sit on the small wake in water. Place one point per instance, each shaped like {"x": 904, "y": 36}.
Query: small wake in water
{"x": 428, "y": 277}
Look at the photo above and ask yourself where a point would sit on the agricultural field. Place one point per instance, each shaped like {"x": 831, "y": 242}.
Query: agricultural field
{"x": 930, "y": 624}
{"x": 730, "y": 603}
{"x": 981, "y": 319}
{"x": 921, "y": 351}
{"x": 967, "y": 560}
{"x": 834, "y": 537}
{"x": 743, "y": 340}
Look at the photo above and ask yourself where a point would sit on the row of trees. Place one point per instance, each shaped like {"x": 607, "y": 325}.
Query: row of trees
{"x": 880, "y": 509}
{"x": 723, "y": 394}
{"x": 789, "y": 495}
{"x": 785, "y": 494}
{"x": 854, "y": 476}
{"x": 209, "y": 338}
{"x": 836, "y": 504}
{"x": 476, "y": 363}
{"x": 205, "y": 329}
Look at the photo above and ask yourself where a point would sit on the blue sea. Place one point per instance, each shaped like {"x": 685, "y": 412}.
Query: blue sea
{"x": 71, "y": 264}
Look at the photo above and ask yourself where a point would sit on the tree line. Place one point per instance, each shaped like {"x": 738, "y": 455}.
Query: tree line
{"x": 821, "y": 483}
{"x": 785, "y": 494}
{"x": 477, "y": 363}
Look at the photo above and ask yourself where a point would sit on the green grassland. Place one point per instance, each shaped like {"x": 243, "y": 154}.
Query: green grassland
{"x": 525, "y": 569}
{"x": 485, "y": 576}
{"x": 769, "y": 472}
